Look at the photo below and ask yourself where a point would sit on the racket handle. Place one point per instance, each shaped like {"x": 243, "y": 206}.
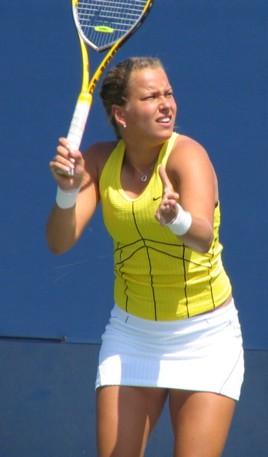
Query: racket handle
{"x": 79, "y": 120}
{"x": 78, "y": 124}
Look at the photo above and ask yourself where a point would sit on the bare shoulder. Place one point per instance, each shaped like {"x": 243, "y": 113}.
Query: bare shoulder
{"x": 99, "y": 151}
{"x": 96, "y": 156}
{"x": 189, "y": 163}
{"x": 187, "y": 152}
{"x": 185, "y": 145}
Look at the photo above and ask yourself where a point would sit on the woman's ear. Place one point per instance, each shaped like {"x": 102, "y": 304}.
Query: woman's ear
{"x": 118, "y": 114}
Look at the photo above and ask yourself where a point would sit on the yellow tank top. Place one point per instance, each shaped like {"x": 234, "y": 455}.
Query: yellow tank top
{"x": 156, "y": 276}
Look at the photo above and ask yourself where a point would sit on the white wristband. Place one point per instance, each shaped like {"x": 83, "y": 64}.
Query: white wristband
{"x": 66, "y": 198}
{"x": 181, "y": 224}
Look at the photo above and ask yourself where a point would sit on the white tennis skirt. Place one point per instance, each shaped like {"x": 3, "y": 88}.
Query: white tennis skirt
{"x": 202, "y": 353}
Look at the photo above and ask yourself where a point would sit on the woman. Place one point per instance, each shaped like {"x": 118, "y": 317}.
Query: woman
{"x": 173, "y": 333}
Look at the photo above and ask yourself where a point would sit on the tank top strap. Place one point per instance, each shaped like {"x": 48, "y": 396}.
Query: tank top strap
{"x": 167, "y": 148}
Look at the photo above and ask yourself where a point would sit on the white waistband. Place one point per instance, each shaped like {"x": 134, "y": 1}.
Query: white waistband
{"x": 215, "y": 315}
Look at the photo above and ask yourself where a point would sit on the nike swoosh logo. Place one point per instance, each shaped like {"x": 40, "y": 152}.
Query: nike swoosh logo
{"x": 156, "y": 198}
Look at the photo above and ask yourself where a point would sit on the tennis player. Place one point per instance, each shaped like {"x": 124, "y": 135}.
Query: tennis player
{"x": 173, "y": 334}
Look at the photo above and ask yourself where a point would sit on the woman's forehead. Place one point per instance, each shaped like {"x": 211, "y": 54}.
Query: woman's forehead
{"x": 147, "y": 77}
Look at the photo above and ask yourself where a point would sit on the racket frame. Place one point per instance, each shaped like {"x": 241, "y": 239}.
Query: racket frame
{"x": 85, "y": 98}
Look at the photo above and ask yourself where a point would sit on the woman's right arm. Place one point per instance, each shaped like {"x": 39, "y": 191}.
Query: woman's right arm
{"x": 65, "y": 225}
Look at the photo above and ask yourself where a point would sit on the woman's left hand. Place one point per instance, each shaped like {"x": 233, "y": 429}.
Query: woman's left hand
{"x": 167, "y": 210}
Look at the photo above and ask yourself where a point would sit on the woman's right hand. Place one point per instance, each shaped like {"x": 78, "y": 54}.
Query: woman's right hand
{"x": 64, "y": 161}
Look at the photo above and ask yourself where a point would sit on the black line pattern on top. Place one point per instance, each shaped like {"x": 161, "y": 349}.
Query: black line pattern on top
{"x": 160, "y": 247}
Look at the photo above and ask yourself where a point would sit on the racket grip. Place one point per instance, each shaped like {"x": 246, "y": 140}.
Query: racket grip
{"x": 79, "y": 120}
{"x": 78, "y": 123}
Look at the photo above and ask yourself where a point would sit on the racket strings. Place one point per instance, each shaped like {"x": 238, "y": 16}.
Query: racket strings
{"x": 104, "y": 22}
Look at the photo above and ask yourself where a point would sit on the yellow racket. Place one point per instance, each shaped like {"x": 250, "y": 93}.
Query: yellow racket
{"x": 101, "y": 25}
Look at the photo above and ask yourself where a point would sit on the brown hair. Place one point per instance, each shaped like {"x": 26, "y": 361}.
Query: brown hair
{"x": 114, "y": 89}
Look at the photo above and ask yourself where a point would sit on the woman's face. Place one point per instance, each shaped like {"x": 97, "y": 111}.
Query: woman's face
{"x": 150, "y": 111}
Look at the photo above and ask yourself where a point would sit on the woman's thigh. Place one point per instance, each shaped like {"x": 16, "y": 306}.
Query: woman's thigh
{"x": 201, "y": 421}
{"x": 125, "y": 419}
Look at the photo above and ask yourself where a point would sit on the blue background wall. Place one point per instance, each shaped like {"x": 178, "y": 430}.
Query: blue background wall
{"x": 216, "y": 55}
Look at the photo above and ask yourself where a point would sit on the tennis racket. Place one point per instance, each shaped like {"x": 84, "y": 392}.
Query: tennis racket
{"x": 101, "y": 25}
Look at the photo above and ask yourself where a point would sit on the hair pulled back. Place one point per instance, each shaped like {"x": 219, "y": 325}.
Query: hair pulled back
{"x": 115, "y": 87}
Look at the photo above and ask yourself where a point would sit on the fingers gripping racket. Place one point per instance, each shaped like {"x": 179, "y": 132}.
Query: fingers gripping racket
{"x": 101, "y": 25}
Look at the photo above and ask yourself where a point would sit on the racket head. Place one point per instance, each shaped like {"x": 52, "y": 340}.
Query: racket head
{"x": 102, "y": 23}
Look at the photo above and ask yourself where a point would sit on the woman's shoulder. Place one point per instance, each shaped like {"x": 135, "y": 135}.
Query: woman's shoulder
{"x": 96, "y": 156}
{"x": 184, "y": 143}
{"x": 186, "y": 150}
{"x": 187, "y": 159}
{"x": 100, "y": 149}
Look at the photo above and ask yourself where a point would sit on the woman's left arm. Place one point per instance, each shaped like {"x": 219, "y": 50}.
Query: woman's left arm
{"x": 190, "y": 179}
